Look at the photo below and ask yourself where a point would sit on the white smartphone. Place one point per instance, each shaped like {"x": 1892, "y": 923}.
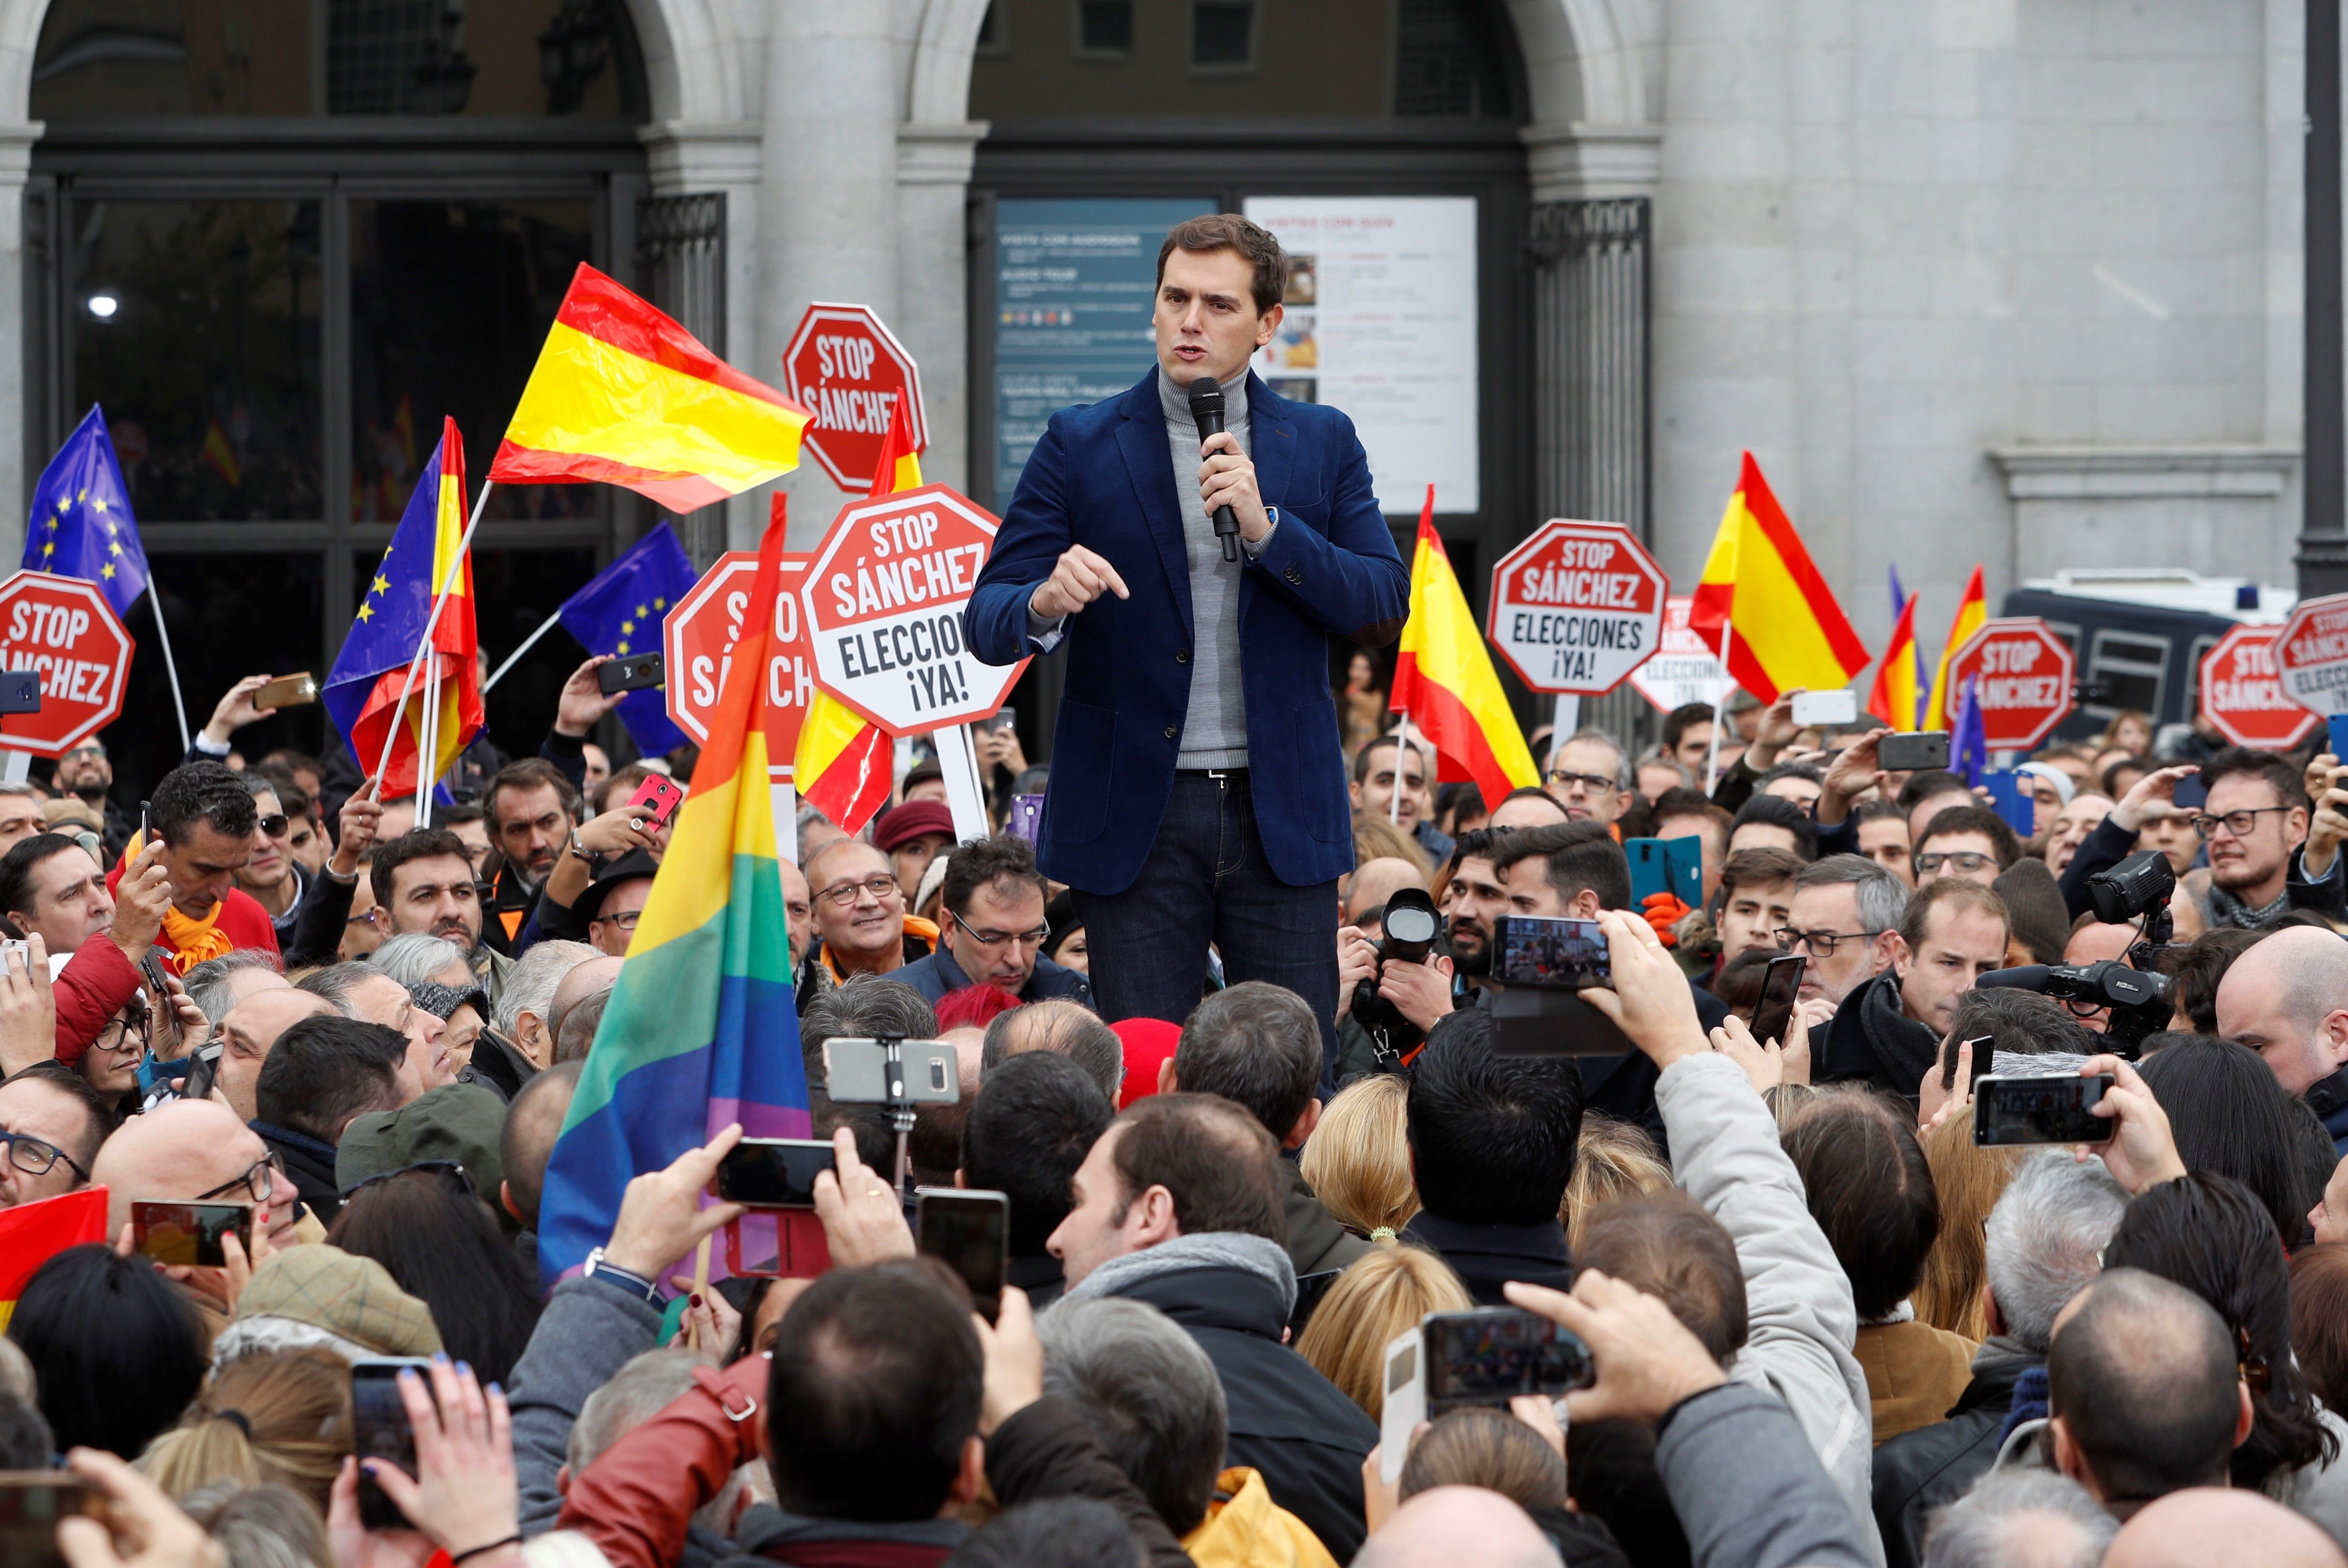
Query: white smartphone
{"x": 1826, "y": 708}
{"x": 1405, "y": 1402}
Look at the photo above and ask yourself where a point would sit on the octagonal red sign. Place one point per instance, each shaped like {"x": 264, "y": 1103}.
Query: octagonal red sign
{"x": 698, "y": 644}
{"x": 2242, "y": 696}
{"x": 849, "y": 370}
{"x": 884, "y": 597}
{"x": 2312, "y": 655}
{"x": 2023, "y": 675}
{"x": 63, "y": 628}
{"x": 1577, "y": 607}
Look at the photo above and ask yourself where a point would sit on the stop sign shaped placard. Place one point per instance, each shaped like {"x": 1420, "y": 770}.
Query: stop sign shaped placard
{"x": 698, "y": 644}
{"x": 1577, "y": 607}
{"x": 2312, "y": 655}
{"x": 63, "y": 628}
{"x": 2242, "y": 696}
{"x": 2022, "y": 674}
{"x": 884, "y": 597}
{"x": 850, "y": 372}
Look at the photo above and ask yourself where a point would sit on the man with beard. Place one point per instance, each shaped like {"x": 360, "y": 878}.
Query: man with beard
{"x": 533, "y": 813}
{"x": 423, "y": 882}
{"x": 87, "y": 773}
{"x": 1472, "y": 898}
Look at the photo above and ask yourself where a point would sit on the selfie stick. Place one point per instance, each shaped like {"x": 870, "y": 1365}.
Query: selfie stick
{"x": 900, "y": 1106}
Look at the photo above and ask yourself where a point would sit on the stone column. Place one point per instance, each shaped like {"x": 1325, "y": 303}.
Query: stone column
{"x": 17, "y": 464}
{"x": 934, "y": 163}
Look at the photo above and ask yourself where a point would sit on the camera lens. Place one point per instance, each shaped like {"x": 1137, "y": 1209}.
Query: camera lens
{"x": 1407, "y": 923}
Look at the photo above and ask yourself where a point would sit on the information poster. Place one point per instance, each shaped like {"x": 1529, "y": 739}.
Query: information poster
{"x": 1381, "y": 323}
{"x": 1073, "y": 282}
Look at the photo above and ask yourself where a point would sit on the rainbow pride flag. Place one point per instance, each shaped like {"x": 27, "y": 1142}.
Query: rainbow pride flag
{"x": 702, "y": 1030}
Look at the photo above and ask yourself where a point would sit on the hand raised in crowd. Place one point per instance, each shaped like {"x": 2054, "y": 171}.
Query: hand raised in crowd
{"x": 1934, "y": 1104}
{"x": 463, "y": 1497}
{"x": 2327, "y": 827}
{"x": 29, "y": 1008}
{"x": 1852, "y": 773}
{"x": 235, "y": 710}
{"x": 710, "y": 1325}
{"x": 1419, "y": 992}
{"x": 2142, "y": 1153}
{"x": 179, "y": 1023}
{"x": 1357, "y": 960}
{"x": 1777, "y": 727}
{"x": 620, "y": 830}
{"x": 582, "y": 703}
{"x": 863, "y": 1223}
{"x": 143, "y": 1528}
{"x": 1767, "y": 1063}
{"x": 360, "y": 820}
{"x": 226, "y": 1283}
{"x": 140, "y": 899}
{"x": 1000, "y": 747}
{"x": 1650, "y": 1001}
{"x": 2151, "y": 795}
{"x": 1077, "y": 579}
{"x": 1647, "y": 1359}
{"x": 1015, "y": 1360}
{"x": 662, "y": 1217}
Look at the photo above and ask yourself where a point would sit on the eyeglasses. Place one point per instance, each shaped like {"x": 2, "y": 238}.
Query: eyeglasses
{"x": 991, "y": 939}
{"x": 85, "y": 754}
{"x": 1593, "y": 782}
{"x": 627, "y": 919}
{"x": 2238, "y": 824}
{"x": 275, "y": 824}
{"x": 122, "y": 1034}
{"x": 843, "y": 894}
{"x": 36, "y": 1158}
{"x": 1965, "y": 862}
{"x": 259, "y": 1181}
{"x": 437, "y": 1167}
{"x": 1822, "y": 942}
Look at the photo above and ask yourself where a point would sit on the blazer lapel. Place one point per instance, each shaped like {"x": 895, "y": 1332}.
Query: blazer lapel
{"x": 1141, "y": 437}
{"x": 1274, "y": 436}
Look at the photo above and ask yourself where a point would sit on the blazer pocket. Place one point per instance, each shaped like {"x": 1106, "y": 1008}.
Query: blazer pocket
{"x": 1320, "y": 773}
{"x": 1084, "y": 752}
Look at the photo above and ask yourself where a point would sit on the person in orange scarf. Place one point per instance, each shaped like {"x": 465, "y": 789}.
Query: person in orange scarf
{"x": 206, "y": 820}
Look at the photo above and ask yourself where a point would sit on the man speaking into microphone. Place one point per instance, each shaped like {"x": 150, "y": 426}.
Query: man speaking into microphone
{"x": 1197, "y": 787}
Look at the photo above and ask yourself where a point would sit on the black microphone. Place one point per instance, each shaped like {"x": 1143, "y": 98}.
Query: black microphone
{"x": 1207, "y": 413}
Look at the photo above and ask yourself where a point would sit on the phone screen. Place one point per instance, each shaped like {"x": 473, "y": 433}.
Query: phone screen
{"x": 1560, "y": 954}
{"x": 774, "y": 1173}
{"x": 380, "y": 1425}
{"x": 2337, "y": 736}
{"x": 1781, "y": 985}
{"x": 1488, "y": 1356}
{"x": 189, "y": 1233}
{"x": 2050, "y": 1110}
{"x": 31, "y": 1503}
{"x": 970, "y": 1233}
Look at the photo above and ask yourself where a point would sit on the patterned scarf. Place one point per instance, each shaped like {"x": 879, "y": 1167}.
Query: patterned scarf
{"x": 2225, "y": 909}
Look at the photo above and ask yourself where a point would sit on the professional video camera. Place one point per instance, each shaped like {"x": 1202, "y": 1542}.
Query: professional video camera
{"x": 2135, "y": 995}
{"x": 1411, "y": 927}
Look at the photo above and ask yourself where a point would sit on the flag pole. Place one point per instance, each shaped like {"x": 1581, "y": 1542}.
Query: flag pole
{"x": 1719, "y": 715}
{"x": 439, "y": 602}
{"x": 428, "y": 752}
{"x": 527, "y": 644}
{"x": 170, "y": 667}
{"x": 1394, "y": 797}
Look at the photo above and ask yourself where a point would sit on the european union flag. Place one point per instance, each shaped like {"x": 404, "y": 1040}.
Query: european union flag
{"x": 81, "y": 524}
{"x": 621, "y": 613}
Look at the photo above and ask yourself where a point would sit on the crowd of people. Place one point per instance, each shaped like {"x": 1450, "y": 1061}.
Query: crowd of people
{"x": 1825, "y": 1326}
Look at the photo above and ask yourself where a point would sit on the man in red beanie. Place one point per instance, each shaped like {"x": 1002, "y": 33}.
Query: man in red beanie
{"x": 912, "y": 836}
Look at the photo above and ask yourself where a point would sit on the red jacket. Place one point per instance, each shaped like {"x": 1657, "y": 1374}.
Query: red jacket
{"x": 90, "y": 989}
{"x": 241, "y": 919}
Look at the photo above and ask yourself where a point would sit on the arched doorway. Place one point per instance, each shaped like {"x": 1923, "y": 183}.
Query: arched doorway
{"x": 278, "y": 241}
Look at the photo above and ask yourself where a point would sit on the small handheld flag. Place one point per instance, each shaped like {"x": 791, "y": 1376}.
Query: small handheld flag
{"x": 1444, "y": 681}
{"x": 81, "y": 523}
{"x": 1971, "y": 611}
{"x": 1894, "y": 697}
{"x": 620, "y": 612}
{"x": 1760, "y": 584}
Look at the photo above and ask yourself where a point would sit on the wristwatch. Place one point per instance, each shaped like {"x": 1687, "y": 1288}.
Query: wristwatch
{"x": 618, "y": 1275}
{"x": 576, "y": 850}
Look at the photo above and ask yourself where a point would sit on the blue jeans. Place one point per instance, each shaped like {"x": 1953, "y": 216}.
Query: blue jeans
{"x": 1206, "y": 880}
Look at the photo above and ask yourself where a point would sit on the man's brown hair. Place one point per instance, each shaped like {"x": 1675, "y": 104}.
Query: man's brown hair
{"x": 1667, "y": 1245}
{"x": 1216, "y": 1161}
{"x": 530, "y": 773}
{"x": 1759, "y": 868}
{"x": 1917, "y": 923}
{"x": 1230, "y": 232}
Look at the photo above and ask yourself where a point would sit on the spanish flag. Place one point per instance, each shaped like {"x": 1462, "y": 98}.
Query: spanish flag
{"x": 702, "y": 1030}
{"x": 1971, "y": 611}
{"x": 32, "y": 1233}
{"x": 1894, "y": 697}
{"x": 1763, "y": 597}
{"x": 1444, "y": 680}
{"x": 219, "y": 455}
{"x": 623, "y": 394}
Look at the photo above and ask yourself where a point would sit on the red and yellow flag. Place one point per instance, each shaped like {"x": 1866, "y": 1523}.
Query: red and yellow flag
{"x": 1782, "y": 628}
{"x": 1894, "y": 697}
{"x": 623, "y": 394}
{"x": 32, "y": 1233}
{"x": 1971, "y": 611}
{"x": 1444, "y": 680}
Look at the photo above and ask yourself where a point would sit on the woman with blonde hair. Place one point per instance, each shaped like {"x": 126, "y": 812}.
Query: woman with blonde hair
{"x": 1614, "y": 1159}
{"x": 279, "y": 1419}
{"x": 1376, "y": 1298}
{"x": 1969, "y": 1181}
{"x": 1357, "y": 1160}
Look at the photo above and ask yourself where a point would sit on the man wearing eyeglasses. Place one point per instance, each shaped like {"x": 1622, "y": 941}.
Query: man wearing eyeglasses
{"x": 196, "y": 1151}
{"x": 1585, "y": 776}
{"x": 615, "y": 899}
{"x": 1846, "y": 922}
{"x": 2252, "y": 826}
{"x": 87, "y": 773}
{"x": 994, "y": 930}
{"x": 1969, "y": 842}
{"x": 860, "y": 924}
{"x": 51, "y": 1125}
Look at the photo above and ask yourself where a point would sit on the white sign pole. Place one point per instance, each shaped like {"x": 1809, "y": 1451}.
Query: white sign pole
{"x": 964, "y": 796}
{"x": 785, "y": 799}
{"x": 15, "y": 766}
{"x": 1719, "y": 716}
{"x": 1564, "y": 721}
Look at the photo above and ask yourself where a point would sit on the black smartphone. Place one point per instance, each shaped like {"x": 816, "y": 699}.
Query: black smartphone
{"x": 379, "y": 1424}
{"x": 2051, "y": 1109}
{"x": 189, "y": 1233}
{"x": 201, "y": 1070}
{"x": 1918, "y": 751}
{"x": 970, "y": 1233}
{"x": 31, "y": 1504}
{"x": 631, "y": 672}
{"x": 1781, "y": 986}
{"x": 1555, "y": 955}
{"x": 774, "y": 1173}
{"x": 1489, "y": 1355}
{"x": 2191, "y": 794}
{"x": 20, "y": 691}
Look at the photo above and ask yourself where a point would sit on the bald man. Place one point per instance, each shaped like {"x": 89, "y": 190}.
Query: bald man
{"x": 584, "y": 980}
{"x": 1448, "y": 1524}
{"x": 196, "y": 1151}
{"x": 1375, "y": 882}
{"x": 247, "y": 1033}
{"x": 2207, "y": 1524}
{"x": 2287, "y": 999}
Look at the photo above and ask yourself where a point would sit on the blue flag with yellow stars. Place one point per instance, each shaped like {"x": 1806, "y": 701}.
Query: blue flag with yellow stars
{"x": 81, "y": 524}
{"x": 621, "y": 613}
